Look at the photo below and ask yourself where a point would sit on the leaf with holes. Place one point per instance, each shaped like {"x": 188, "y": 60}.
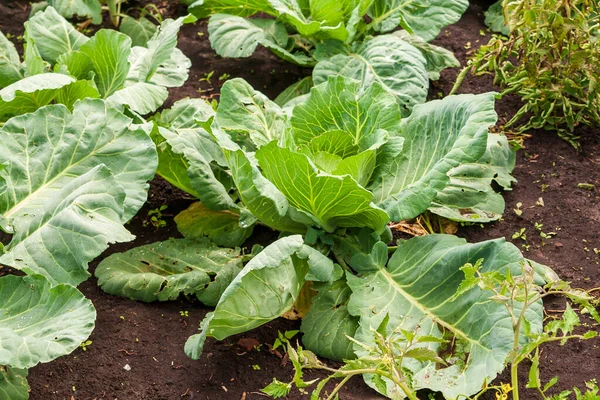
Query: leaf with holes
{"x": 438, "y": 136}
{"x": 470, "y": 195}
{"x": 416, "y": 292}
{"x": 246, "y": 111}
{"x": 164, "y": 270}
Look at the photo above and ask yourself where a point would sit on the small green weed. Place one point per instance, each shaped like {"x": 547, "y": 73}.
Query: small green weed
{"x": 84, "y": 345}
{"x": 155, "y": 217}
{"x": 520, "y": 234}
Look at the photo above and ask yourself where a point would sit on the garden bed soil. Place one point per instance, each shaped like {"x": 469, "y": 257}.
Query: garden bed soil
{"x": 137, "y": 349}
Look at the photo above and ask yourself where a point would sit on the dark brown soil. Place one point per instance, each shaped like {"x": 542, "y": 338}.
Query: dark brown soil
{"x": 149, "y": 338}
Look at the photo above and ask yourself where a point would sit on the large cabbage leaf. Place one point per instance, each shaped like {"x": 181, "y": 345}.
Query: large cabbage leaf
{"x": 235, "y": 37}
{"x": 438, "y": 136}
{"x": 40, "y": 322}
{"x": 108, "y": 51}
{"x": 30, "y": 93}
{"x": 470, "y": 195}
{"x": 416, "y": 291}
{"x": 53, "y": 35}
{"x": 424, "y": 17}
{"x": 266, "y": 288}
{"x": 224, "y": 227}
{"x": 205, "y": 8}
{"x": 388, "y": 60}
{"x": 71, "y": 181}
{"x": 164, "y": 270}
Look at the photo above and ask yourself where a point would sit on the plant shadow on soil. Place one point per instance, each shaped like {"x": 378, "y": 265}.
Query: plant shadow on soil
{"x": 149, "y": 338}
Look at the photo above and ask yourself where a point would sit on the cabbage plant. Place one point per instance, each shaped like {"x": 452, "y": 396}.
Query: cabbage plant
{"x": 69, "y": 181}
{"x": 74, "y": 169}
{"x": 441, "y": 158}
{"x": 335, "y": 38}
{"x": 300, "y": 31}
{"x": 62, "y": 65}
{"x": 329, "y": 171}
{"x": 140, "y": 29}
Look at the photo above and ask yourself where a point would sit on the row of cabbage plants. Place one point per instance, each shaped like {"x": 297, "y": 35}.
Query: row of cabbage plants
{"x": 329, "y": 164}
